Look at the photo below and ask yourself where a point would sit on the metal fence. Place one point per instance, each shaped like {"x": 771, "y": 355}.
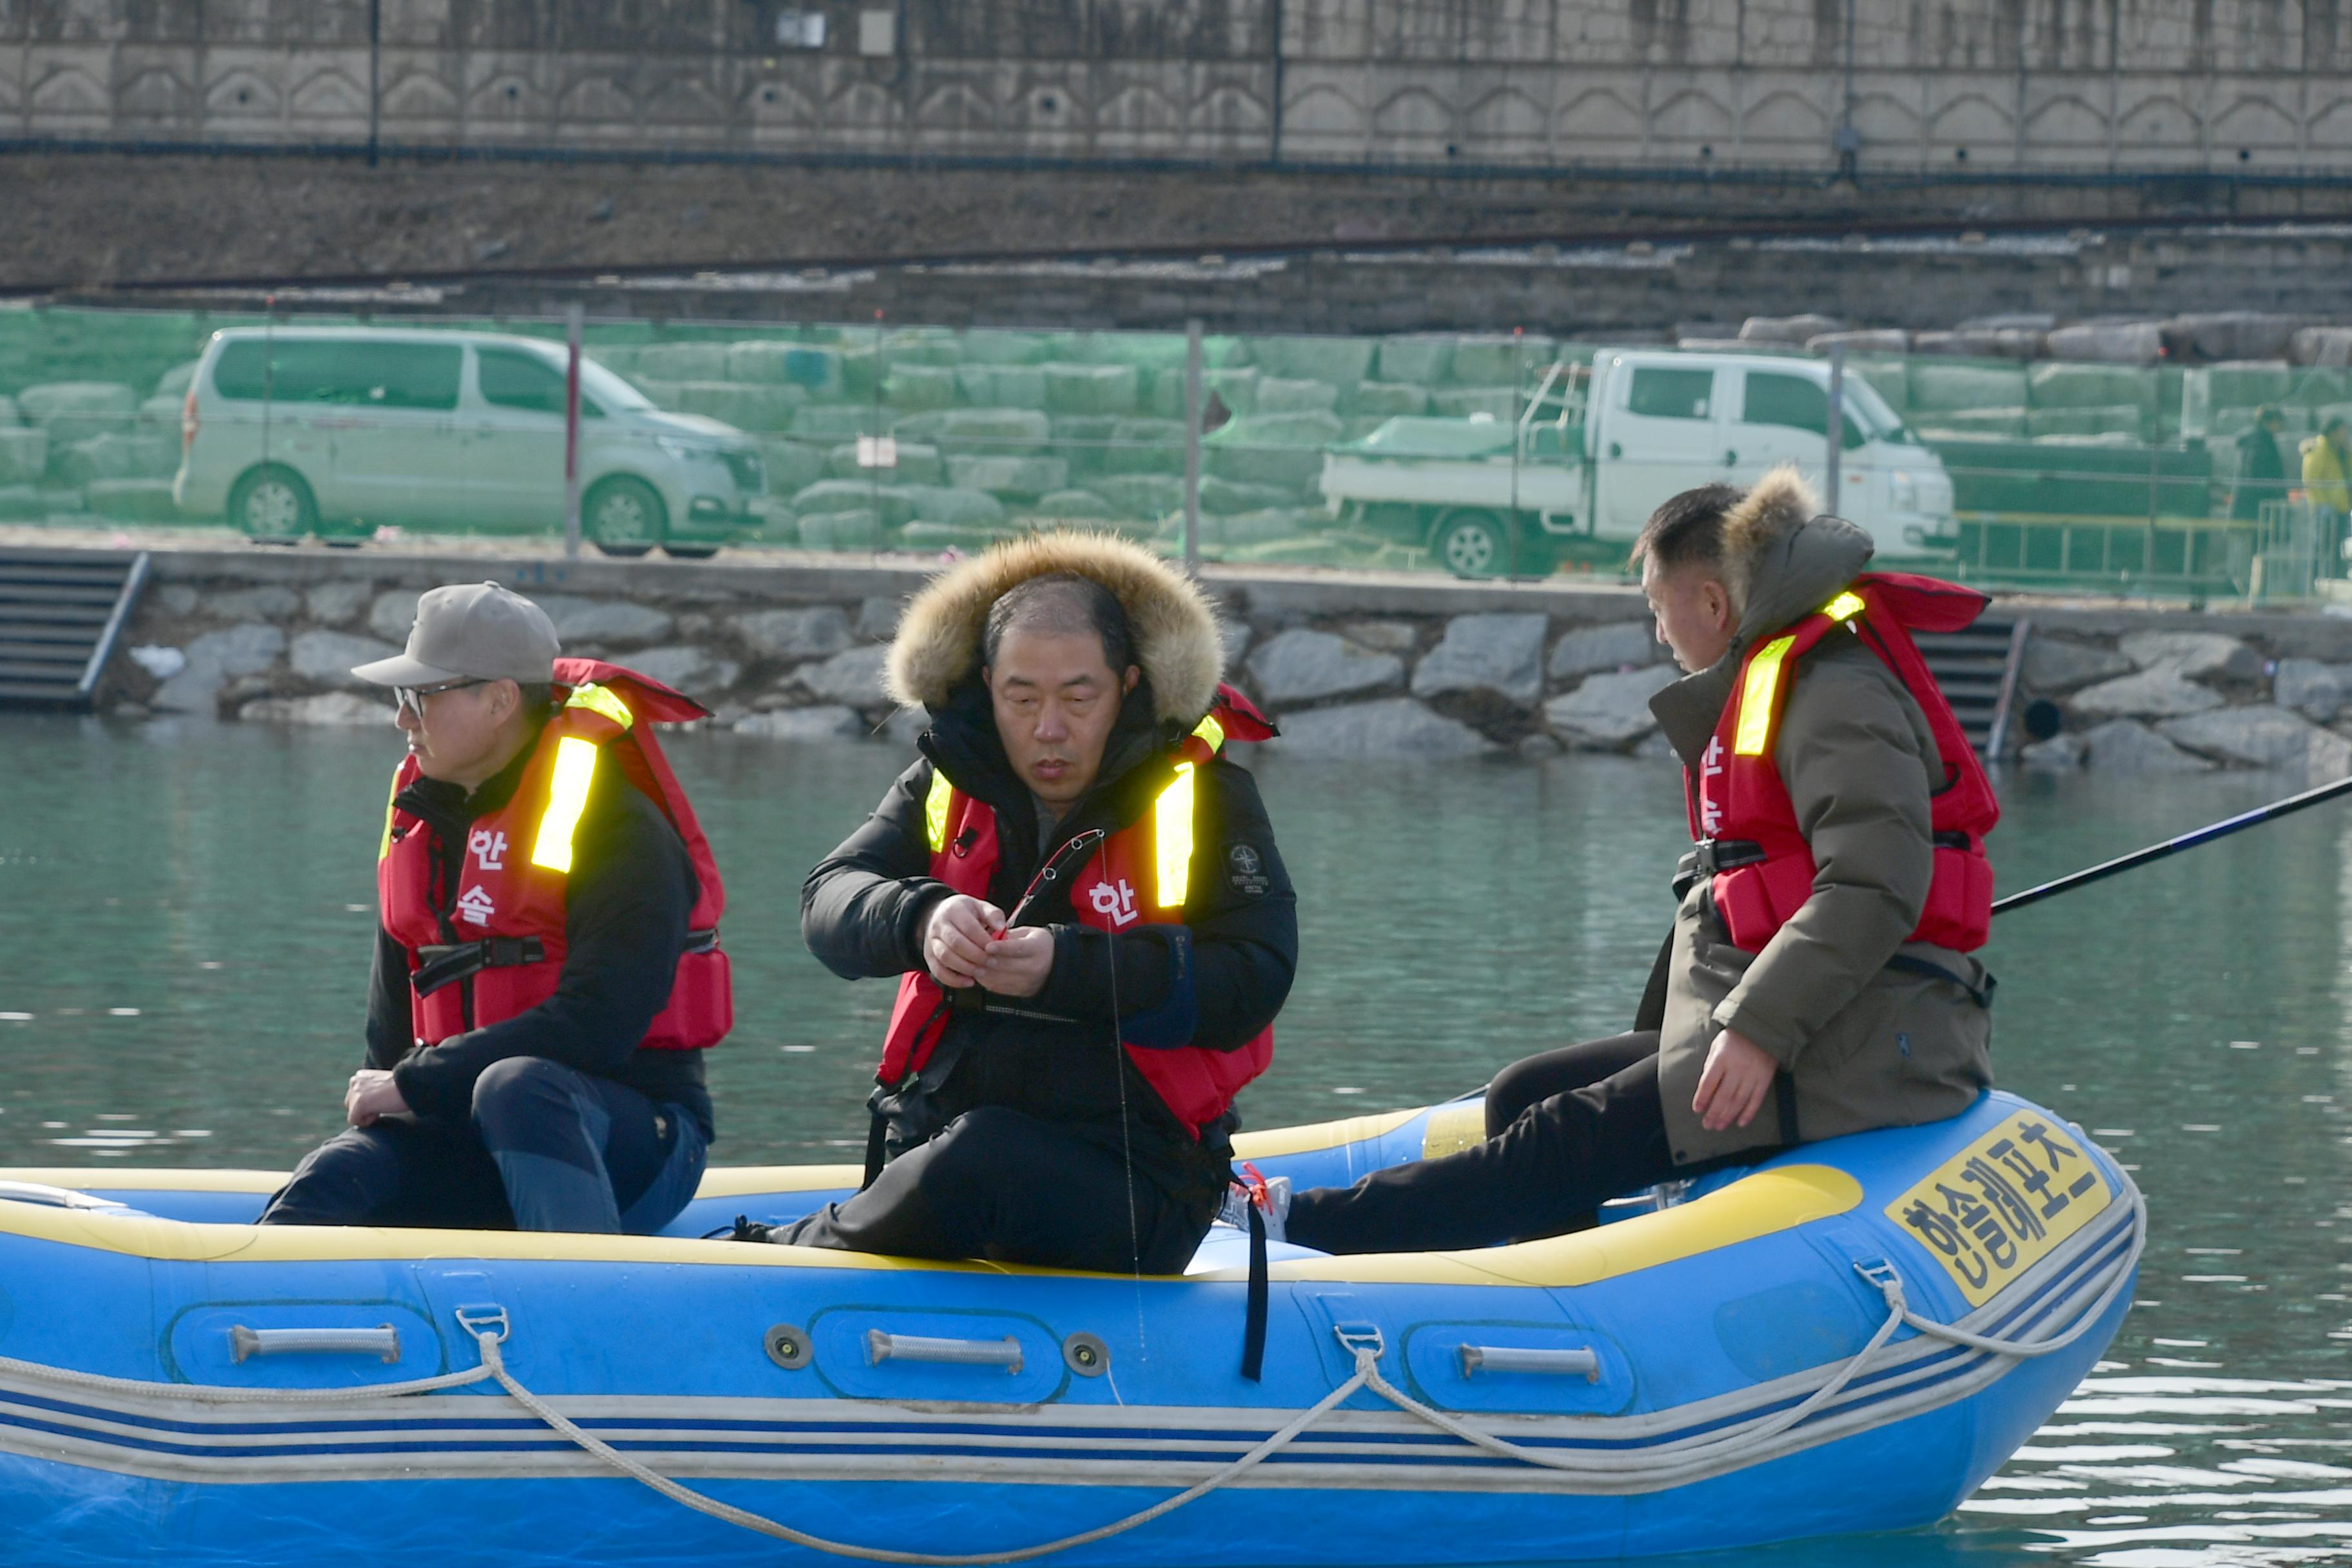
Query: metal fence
{"x": 1519, "y": 454}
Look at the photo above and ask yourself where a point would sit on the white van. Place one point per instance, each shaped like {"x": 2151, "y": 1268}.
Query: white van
{"x": 1598, "y": 446}
{"x": 289, "y": 431}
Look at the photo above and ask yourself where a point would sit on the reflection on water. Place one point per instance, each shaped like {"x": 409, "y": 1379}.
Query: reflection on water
{"x": 185, "y": 911}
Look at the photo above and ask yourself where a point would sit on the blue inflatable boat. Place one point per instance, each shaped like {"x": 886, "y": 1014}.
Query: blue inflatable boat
{"x": 1849, "y": 1337}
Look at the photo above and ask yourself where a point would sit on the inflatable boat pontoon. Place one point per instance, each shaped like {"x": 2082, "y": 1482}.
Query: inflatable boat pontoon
{"x": 1848, "y": 1337}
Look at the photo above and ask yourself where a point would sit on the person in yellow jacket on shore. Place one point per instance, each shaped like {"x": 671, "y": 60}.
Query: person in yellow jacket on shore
{"x": 2326, "y": 463}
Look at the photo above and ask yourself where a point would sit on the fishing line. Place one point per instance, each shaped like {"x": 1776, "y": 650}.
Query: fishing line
{"x": 1127, "y": 1145}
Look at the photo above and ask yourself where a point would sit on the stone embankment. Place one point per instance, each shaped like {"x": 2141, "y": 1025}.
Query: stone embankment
{"x": 1357, "y": 665}
{"x": 2185, "y": 701}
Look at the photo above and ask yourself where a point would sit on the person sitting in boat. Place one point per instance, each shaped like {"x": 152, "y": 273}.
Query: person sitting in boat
{"x": 1080, "y": 897}
{"x": 1816, "y": 981}
{"x": 547, "y": 970}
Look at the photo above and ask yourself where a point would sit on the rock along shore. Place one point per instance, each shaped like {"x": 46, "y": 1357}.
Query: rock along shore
{"x": 785, "y": 646}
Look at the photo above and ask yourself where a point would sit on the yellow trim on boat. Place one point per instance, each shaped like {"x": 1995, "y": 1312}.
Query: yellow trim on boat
{"x": 1276, "y": 1140}
{"x": 1453, "y": 1128}
{"x": 1758, "y": 1205}
{"x": 721, "y": 1182}
{"x": 743, "y": 1181}
{"x": 1769, "y": 1201}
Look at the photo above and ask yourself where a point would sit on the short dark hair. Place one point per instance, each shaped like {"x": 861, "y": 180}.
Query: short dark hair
{"x": 1061, "y": 604}
{"x": 538, "y": 697}
{"x": 1688, "y": 528}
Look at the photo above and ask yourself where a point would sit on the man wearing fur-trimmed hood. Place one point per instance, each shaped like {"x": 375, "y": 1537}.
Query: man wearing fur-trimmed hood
{"x": 1816, "y": 981}
{"x": 1079, "y": 895}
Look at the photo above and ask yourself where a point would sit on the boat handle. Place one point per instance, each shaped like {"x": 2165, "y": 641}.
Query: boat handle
{"x": 383, "y": 1341}
{"x": 881, "y": 1346}
{"x": 1512, "y": 1358}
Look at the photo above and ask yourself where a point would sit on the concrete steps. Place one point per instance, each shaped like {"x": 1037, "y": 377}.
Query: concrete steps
{"x": 61, "y": 613}
{"x": 1977, "y": 671}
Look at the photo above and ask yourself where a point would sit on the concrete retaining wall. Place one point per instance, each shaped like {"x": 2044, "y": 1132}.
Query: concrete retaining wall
{"x": 2032, "y": 84}
{"x": 1353, "y": 666}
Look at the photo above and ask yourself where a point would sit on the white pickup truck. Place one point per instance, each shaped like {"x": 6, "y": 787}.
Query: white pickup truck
{"x": 1600, "y": 445}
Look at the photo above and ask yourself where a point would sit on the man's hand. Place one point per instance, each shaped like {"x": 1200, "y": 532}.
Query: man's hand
{"x": 1019, "y": 962}
{"x": 956, "y": 940}
{"x": 1731, "y": 1090}
{"x": 371, "y": 1095}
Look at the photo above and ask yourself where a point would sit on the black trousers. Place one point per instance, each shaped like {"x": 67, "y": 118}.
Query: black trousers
{"x": 547, "y": 1148}
{"x": 1566, "y": 1131}
{"x": 1001, "y": 1184}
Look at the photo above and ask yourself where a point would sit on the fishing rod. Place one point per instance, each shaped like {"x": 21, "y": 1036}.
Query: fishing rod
{"x": 2205, "y": 835}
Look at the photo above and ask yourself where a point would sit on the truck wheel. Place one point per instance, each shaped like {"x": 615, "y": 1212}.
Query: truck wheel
{"x": 271, "y": 505}
{"x": 1471, "y": 544}
{"x": 623, "y": 517}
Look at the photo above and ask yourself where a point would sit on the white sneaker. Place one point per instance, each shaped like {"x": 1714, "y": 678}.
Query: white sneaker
{"x": 1273, "y": 1199}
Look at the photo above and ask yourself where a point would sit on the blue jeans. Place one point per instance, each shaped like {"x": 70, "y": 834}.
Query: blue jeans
{"x": 547, "y": 1148}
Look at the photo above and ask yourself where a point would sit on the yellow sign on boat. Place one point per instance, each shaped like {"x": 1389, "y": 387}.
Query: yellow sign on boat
{"x": 2003, "y": 1204}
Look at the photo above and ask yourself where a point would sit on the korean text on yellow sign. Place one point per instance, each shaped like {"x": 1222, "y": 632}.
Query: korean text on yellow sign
{"x": 2004, "y": 1203}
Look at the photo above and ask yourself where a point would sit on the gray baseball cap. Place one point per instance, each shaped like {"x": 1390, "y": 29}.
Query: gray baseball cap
{"x": 485, "y": 630}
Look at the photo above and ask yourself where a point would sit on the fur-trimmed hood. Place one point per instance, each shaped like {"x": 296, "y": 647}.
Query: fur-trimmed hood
{"x": 1783, "y": 556}
{"x": 1176, "y": 639}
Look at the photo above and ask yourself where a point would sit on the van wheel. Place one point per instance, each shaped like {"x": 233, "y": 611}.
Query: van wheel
{"x": 623, "y": 517}
{"x": 272, "y": 505}
{"x": 1471, "y": 544}
{"x": 691, "y": 552}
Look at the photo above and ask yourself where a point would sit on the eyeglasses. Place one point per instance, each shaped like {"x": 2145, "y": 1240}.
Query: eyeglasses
{"x": 411, "y": 699}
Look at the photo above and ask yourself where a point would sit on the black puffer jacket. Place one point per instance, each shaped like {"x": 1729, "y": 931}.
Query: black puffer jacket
{"x": 863, "y": 909}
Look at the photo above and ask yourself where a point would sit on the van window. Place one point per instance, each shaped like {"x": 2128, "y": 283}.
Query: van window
{"x": 513, "y": 379}
{"x": 1795, "y": 402}
{"x": 1664, "y": 393}
{"x": 354, "y": 371}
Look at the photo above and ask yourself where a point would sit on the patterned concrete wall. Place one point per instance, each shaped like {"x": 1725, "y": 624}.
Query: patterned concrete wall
{"x": 2254, "y": 86}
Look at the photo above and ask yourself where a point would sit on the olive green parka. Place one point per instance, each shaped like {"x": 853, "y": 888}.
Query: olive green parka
{"x": 1859, "y": 1045}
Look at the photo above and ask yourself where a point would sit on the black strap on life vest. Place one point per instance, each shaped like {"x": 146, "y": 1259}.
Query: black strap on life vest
{"x": 1784, "y": 1099}
{"x": 875, "y": 1135}
{"x": 1650, "y": 1016}
{"x": 1710, "y": 856}
{"x": 878, "y": 1132}
{"x": 1254, "y": 1316}
{"x": 1903, "y": 964}
{"x": 447, "y": 964}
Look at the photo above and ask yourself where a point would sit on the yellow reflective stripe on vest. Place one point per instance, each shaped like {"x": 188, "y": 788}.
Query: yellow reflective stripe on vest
{"x": 1171, "y": 824}
{"x": 1171, "y": 837}
{"x": 384, "y": 849}
{"x": 575, "y": 769}
{"x": 935, "y": 810}
{"x": 598, "y": 700}
{"x": 1755, "y": 731}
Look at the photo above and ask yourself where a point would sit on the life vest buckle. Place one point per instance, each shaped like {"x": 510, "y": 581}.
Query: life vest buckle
{"x": 1711, "y": 857}
{"x": 444, "y": 965}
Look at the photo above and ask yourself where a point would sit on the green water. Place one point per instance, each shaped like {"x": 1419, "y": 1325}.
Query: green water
{"x": 185, "y": 917}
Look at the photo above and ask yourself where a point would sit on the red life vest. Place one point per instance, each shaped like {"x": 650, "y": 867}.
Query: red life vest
{"x": 1761, "y": 866}
{"x": 1196, "y": 1084}
{"x": 492, "y": 947}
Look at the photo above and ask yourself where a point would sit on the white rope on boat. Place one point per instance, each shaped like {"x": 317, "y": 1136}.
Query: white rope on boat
{"x": 703, "y": 1503}
{"x": 212, "y": 1394}
{"x": 1707, "y": 1453}
{"x": 1661, "y": 1465}
{"x": 1677, "y": 1457}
